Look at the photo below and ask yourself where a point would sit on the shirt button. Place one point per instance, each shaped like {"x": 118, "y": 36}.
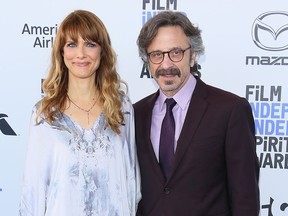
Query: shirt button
{"x": 166, "y": 190}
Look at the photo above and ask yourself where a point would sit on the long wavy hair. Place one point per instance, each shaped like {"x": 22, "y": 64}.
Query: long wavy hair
{"x": 107, "y": 80}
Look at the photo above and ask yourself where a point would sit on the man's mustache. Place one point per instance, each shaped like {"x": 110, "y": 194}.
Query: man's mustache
{"x": 170, "y": 71}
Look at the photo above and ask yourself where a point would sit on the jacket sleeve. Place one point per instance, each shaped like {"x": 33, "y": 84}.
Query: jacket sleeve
{"x": 242, "y": 162}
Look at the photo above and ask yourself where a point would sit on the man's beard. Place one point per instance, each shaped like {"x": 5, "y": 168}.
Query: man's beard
{"x": 170, "y": 71}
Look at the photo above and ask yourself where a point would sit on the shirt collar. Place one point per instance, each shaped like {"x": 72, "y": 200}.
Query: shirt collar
{"x": 183, "y": 96}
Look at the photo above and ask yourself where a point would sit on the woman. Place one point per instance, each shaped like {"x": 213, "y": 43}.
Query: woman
{"x": 81, "y": 156}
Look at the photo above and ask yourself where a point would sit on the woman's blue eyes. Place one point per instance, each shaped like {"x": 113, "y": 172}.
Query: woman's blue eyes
{"x": 71, "y": 45}
{"x": 91, "y": 44}
{"x": 87, "y": 44}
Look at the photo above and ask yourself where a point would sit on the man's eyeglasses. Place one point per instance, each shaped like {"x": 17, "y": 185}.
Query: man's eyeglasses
{"x": 175, "y": 55}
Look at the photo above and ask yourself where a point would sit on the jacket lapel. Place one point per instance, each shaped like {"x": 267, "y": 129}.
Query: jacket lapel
{"x": 193, "y": 118}
{"x": 147, "y": 134}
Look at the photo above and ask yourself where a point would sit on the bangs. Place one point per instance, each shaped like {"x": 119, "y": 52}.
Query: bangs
{"x": 79, "y": 26}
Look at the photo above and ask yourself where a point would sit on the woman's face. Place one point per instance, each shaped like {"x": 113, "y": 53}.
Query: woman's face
{"x": 82, "y": 58}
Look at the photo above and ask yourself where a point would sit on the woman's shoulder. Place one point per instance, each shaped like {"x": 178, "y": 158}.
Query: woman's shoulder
{"x": 36, "y": 107}
{"x": 126, "y": 102}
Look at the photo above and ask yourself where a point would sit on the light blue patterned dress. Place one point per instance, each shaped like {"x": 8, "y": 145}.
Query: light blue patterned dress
{"x": 71, "y": 171}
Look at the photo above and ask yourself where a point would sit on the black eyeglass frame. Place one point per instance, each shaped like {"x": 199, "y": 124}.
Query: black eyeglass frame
{"x": 168, "y": 52}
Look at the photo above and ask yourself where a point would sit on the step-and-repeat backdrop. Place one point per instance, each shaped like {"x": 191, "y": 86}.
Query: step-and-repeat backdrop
{"x": 246, "y": 53}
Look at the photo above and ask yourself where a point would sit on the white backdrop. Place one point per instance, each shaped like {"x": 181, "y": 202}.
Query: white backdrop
{"x": 246, "y": 53}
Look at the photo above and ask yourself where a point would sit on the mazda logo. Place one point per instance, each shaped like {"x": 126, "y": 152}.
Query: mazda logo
{"x": 269, "y": 30}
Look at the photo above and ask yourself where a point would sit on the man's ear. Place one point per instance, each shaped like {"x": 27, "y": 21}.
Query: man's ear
{"x": 192, "y": 60}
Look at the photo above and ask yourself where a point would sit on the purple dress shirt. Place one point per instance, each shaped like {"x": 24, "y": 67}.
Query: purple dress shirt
{"x": 182, "y": 98}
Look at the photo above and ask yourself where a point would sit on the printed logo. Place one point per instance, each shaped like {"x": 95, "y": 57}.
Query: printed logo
{"x": 269, "y": 29}
{"x": 42, "y": 36}
{"x": 5, "y": 128}
{"x": 42, "y": 91}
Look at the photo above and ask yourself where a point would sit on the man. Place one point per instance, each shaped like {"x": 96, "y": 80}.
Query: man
{"x": 213, "y": 169}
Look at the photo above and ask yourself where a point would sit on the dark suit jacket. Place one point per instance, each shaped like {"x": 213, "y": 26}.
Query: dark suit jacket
{"x": 215, "y": 169}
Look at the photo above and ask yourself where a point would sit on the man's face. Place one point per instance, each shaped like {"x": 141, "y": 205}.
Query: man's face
{"x": 171, "y": 76}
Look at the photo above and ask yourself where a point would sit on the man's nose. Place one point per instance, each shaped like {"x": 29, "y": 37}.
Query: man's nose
{"x": 166, "y": 63}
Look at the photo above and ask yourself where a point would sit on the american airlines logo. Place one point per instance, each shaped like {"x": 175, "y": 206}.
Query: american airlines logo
{"x": 5, "y": 128}
{"x": 270, "y": 31}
